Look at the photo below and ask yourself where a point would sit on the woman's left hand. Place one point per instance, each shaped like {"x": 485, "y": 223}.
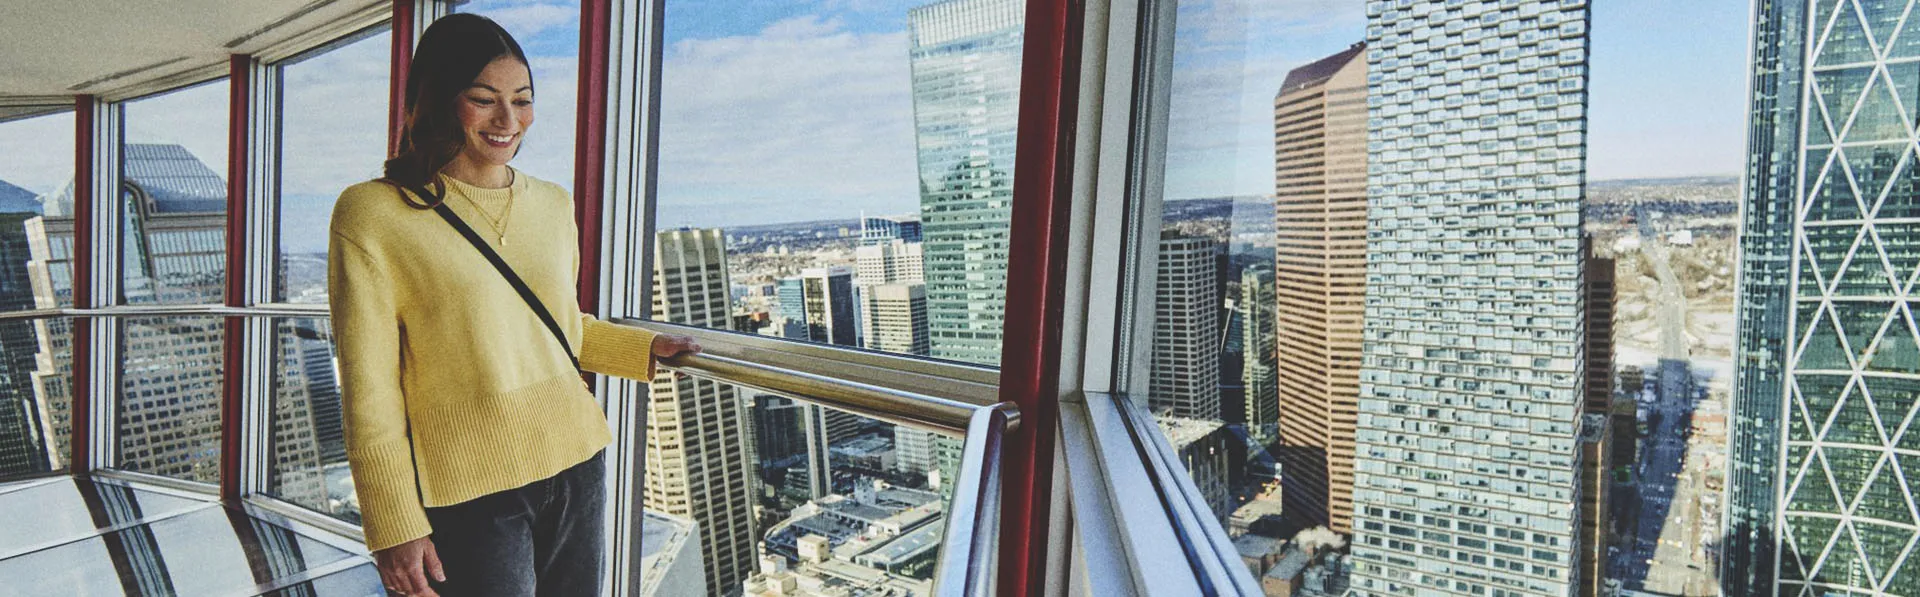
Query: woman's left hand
{"x": 670, "y": 345}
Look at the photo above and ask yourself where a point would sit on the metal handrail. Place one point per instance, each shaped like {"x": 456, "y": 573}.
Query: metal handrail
{"x": 886, "y": 404}
{"x": 969, "y": 544}
{"x": 202, "y": 310}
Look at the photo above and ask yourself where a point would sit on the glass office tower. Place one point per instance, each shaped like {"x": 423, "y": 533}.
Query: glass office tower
{"x": 1473, "y": 361}
{"x": 966, "y": 105}
{"x": 1831, "y": 241}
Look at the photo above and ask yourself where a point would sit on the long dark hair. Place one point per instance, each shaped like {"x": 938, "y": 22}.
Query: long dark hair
{"x": 450, "y": 56}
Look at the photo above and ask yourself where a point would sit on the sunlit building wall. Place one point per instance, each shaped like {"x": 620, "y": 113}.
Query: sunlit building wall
{"x": 1467, "y": 463}
{"x": 1320, "y": 267}
{"x": 699, "y": 461}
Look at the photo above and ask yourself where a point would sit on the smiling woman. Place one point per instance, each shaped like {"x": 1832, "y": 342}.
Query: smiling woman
{"x": 549, "y": 33}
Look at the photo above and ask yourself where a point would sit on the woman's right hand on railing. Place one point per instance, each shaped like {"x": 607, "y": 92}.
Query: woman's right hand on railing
{"x": 404, "y": 568}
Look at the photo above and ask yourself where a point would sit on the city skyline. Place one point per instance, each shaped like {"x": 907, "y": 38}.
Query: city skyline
{"x": 1651, "y": 114}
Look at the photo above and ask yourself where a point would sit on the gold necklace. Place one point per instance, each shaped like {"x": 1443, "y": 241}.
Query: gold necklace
{"x": 499, "y": 225}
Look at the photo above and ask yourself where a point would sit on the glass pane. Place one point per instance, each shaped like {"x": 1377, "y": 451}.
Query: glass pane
{"x": 333, "y": 133}
{"x": 36, "y": 177}
{"x": 168, "y": 420}
{"x": 549, "y": 32}
{"x": 857, "y": 161}
{"x": 35, "y": 243}
{"x": 36, "y": 419}
{"x": 791, "y": 492}
{"x": 308, "y": 444}
{"x": 174, "y": 192}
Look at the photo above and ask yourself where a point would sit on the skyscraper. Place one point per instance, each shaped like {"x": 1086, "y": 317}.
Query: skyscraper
{"x": 1185, "y": 379}
{"x": 697, "y": 450}
{"x": 1831, "y": 249}
{"x": 877, "y": 230}
{"x": 896, "y": 318}
{"x": 965, "y": 57}
{"x": 1259, "y": 375}
{"x": 1767, "y": 248}
{"x": 1320, "y": 269}
{"x": 1600, "y": 299}
{"x": 1468, "y": 448}
{"x": 25, "y": 436}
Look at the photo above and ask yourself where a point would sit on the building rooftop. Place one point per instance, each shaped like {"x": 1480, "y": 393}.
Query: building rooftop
{"x": 1256, "y": 546}
{"x": 175, "y": 180}
{"x": 1319, "y": 70}
{"x": 1290, "y": 565}
{"x": 14, "y": 199}
{"x": 1181, "y": 431}
{"x": 1593, "y": 428}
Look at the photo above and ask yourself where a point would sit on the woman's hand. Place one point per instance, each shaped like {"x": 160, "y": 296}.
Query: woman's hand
{"x": 670, "y": 345}
{"x": 404, "y": 568}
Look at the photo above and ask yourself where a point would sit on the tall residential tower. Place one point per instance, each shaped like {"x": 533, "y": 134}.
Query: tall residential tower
{"x": 1468, "y": 448}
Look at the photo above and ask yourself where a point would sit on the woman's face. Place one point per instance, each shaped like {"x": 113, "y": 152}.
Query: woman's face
{"x": 496, "y": 111}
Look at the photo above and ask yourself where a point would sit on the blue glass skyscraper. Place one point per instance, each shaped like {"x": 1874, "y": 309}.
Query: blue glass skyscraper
{"x": 965, "y": 56}
{"x": 1823, "y": 462}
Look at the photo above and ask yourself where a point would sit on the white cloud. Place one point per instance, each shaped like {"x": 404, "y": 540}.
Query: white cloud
{"x": 528, "y": 21}
{"x": 334, "y": 119}
{"x": 804, "y": 120}
{"x": 37, "y": 153}
{"x": 194, "y": 118}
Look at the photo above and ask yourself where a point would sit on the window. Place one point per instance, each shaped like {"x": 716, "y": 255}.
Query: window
{"x": 35, "y": 248}
{"x": 168, "y": 416}
{"x": 333, "y": 134}
{"x": 173, "y": 192}
{"x": 837, "y": 175}
{"x": 549, "y": 33}
{"x": 306, "y": 441}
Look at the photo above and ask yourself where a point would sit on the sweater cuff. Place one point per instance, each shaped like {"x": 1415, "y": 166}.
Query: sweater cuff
{"x": 390, "y": 509}
{"x": 619, "y": 350}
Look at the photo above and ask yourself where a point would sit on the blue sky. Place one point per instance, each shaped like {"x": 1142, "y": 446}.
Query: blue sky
{"x": 782, "y": 110}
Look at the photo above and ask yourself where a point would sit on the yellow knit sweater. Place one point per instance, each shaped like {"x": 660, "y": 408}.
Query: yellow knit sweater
{"x": 453, "y": 388}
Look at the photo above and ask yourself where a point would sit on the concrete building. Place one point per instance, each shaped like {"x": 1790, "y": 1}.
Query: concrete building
{"x": 894, "y": 318}
{"x": 880, "y": 539}
{"x": 1320, "y": 255}
{"x": 1212, "y": 457}
{"x": 670, "y": 557}
{"x": 1185, "y": 378}
{"x": 1467, "y": 452}
{"x": 891, "y": 261}
{"x": 698, "y": 454}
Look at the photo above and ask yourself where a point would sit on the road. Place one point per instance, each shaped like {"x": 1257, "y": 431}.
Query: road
{"x": 1663, "y": 551}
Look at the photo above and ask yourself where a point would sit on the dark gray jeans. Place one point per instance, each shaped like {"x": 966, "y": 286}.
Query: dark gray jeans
{"x": 541, "y": 539}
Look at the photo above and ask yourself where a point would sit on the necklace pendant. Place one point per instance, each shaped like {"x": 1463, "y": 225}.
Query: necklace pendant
{"x": 503, "y": 240}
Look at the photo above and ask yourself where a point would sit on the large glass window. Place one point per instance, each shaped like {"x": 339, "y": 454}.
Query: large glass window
{"x": 549, "y": 32}
{"x": 839, "y": 174}
{"x": 168, "y": 412}
{"x": 306, "y": 440}
{"x": 1397, "y": 247}
{"x": 173, "y": 190}
{"x": 35, "y": 246}
{"x": 333, "y": 133}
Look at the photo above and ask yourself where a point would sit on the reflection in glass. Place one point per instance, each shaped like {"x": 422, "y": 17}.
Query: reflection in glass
{"x": 35, "y": 244}
{"x": 308, "y": 444}
{"x": 168, "y": 420}
{"x": 174, "y": 197}
{"x": 333, "y": 133}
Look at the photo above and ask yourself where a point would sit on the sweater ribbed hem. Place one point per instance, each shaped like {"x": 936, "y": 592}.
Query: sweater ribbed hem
{"x": 472, "y": 448}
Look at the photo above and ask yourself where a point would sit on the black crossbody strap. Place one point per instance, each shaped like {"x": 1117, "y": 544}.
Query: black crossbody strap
{"x": 533, "y": 302}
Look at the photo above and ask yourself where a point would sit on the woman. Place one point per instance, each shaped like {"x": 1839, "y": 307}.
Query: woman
{"x": 476, "y": 449}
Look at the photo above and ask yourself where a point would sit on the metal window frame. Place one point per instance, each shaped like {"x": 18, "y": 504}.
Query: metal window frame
{"x": 1110, "y": 445}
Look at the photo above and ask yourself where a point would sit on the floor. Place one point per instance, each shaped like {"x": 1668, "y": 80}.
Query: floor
{"x": 83, "y": 536}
